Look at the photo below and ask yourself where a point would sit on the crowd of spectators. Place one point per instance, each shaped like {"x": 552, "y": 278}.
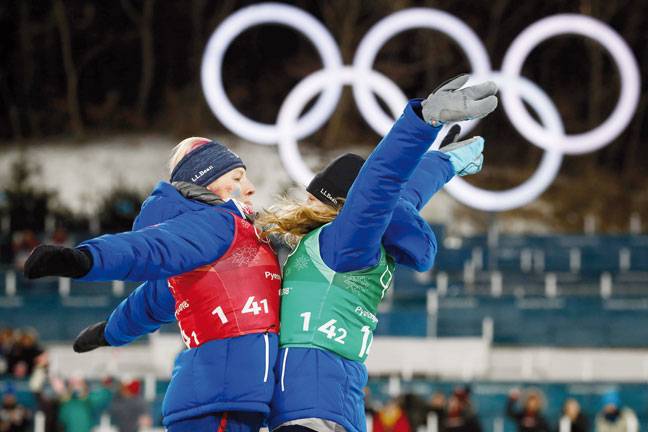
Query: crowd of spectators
{"x": 74, "y": 405}
{"x": 68, "y": 405}
{"x": 457, "y": 413}
{"x": 19, "y": 351}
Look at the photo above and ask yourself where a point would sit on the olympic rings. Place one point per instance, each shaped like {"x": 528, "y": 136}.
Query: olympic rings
{"x": 309, "y": 87}
{"x": 550, "y": 136}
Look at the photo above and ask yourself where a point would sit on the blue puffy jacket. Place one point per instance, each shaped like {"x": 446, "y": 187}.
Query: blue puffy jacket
{"x": 397, "y": 179}
{"x": 220, "y": 375}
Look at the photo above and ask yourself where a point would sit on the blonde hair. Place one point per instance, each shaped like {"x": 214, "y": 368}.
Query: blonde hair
{"x": 185, "y": 146}
{"x": 290, "y": 220}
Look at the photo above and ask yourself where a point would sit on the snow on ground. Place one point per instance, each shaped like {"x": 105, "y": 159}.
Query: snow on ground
{"x": 82, "y": 173}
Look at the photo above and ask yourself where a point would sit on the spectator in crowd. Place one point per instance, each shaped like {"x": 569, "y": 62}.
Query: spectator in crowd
{"x": 23, "y": 243}
{"x": 60, "y": 237}
{"x": 6, "y": 342}
{"x": 614, "y": 417}
{"x": 23, "y": 353}
{"x": 46, "y": 393}
{"x": 459, "y": 415}
{"x": 416, "y": 410}
{"x": 128, "y": 410}
{"x": 437, "y": 405}
{"x": 392, "y": 418}
{"x": 529, "y": 418}
{"x": 13, "y": 416}
{"x": 573, "y": 419}
{"x": 80, "y": 407}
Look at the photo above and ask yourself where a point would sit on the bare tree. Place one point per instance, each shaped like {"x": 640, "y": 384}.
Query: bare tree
{"x": 343, "y": 21}
{"x": 71, "y": 76}
{"x": 144, "y": 22}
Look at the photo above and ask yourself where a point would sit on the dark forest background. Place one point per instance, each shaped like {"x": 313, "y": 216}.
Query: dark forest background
{"x": 78, "y": 69}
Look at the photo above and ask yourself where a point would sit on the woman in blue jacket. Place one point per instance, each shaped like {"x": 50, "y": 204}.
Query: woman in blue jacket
{"x": 340, "y": 269}
{"x": 225, "y": 324}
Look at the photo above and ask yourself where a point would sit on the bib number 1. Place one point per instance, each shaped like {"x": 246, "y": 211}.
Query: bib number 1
{"x": 366, "y": 343}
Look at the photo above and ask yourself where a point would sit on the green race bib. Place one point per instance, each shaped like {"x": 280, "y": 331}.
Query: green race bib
{"x": 321, "y": 308}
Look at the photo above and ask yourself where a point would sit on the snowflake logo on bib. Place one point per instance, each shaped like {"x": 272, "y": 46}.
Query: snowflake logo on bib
{"x": 243, "y": 256}
{"x": 357, "y": 283}
{"x": 301, "y": 263}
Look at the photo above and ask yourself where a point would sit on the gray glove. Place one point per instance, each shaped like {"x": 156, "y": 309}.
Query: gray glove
{"x": 450, "y": 103}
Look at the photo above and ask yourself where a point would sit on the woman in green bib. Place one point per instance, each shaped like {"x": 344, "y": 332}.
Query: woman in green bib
{"x": 347, "y": 237}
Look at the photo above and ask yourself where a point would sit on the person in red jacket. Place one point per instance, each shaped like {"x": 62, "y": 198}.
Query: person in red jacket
{"x": 392, "y": 418}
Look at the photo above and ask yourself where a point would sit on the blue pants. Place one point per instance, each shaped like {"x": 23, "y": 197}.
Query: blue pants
{"x": 230, "y": 421}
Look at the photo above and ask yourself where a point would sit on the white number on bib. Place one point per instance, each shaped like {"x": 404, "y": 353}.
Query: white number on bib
{"x": 253, "y": 307}
{"x": 186, "y": 339}
{"x": 366, "y": 344}
{"x": 306, "y": 316}
{"x": 329, "y": 329}
{"x": 219, "y": 311}
{"x": 340, "y": 338}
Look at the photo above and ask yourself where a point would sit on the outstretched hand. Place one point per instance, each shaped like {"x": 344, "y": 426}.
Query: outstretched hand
{"x": 92, "y": 337}
{"x": 450, "y": 103}
{"x": 466, "y": 156}
{"x": 48, "y": 260}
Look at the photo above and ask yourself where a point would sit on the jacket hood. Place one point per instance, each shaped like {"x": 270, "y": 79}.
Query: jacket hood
{"x": 164, "y": 203}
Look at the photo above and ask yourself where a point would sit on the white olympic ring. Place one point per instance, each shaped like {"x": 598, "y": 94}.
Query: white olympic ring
{"x": 309, "y": 87}
{"x": 290, "y": 127}
{"x": 399, "y": 22}
{"x": 625, "y": 62}
{"x": 212, "y": 68}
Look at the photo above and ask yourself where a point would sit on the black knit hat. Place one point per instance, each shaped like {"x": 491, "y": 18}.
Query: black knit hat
{"x": 336, "y": 179}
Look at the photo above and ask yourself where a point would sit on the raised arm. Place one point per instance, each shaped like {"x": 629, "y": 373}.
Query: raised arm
{"x": 352, "y": 240}
{"x": 432, "y": 173}
{"x": 409, "y": 238}
{"x": 142, "y": 312}
{"x": 156, "y": 252}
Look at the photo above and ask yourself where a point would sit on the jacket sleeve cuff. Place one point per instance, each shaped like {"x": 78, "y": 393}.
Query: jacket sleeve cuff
{"x": 95, "y": 272}
{"x": 417, "y": 126}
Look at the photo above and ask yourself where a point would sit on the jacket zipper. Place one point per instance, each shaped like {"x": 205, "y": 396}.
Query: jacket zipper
{"x": 267, "y": 357}
{"x": 283, "y": 370}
